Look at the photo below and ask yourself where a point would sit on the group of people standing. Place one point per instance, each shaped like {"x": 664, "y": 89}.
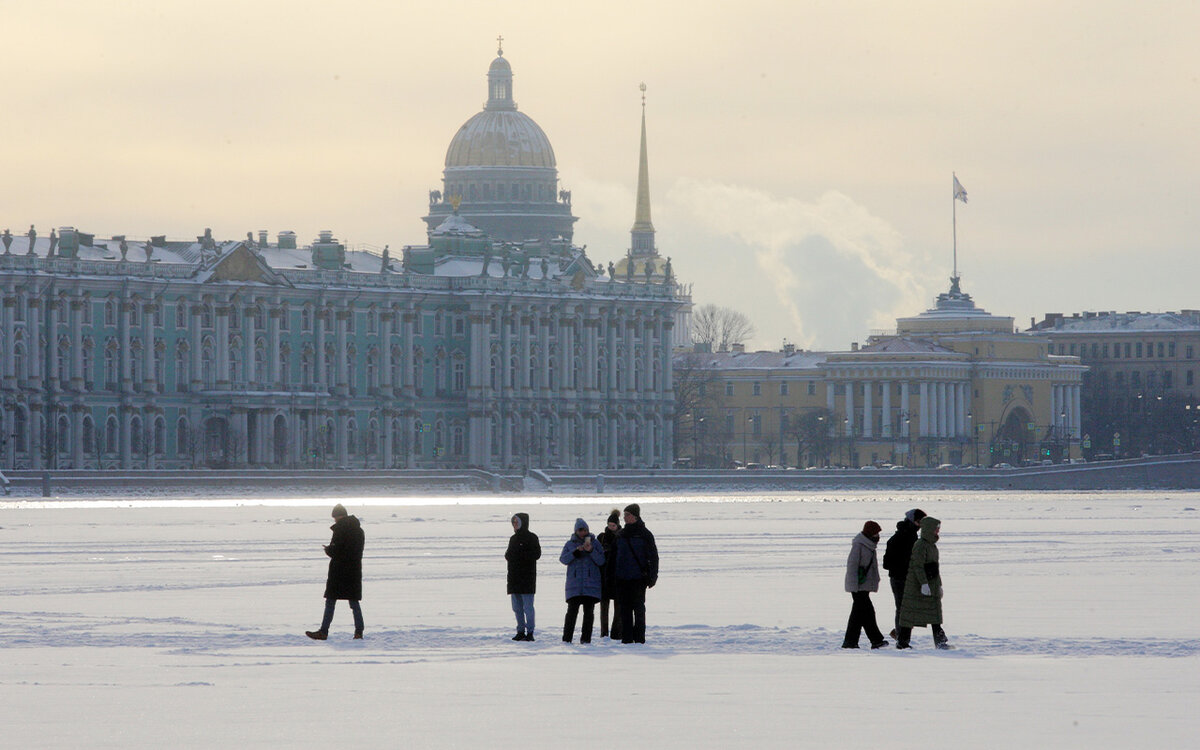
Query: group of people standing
{"x": 911, "y": 560}
{"x": 619, "y": 565}
{"x": 614, "y": 568}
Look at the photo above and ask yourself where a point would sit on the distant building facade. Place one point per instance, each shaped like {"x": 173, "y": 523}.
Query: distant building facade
{"x": 1141, "y": 392}
{"x": 954, "y": 384}
{"x": 465, "y": 351}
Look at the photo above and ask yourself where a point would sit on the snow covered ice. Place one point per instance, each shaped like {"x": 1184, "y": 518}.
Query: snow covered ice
{"x": 154, "y": 623}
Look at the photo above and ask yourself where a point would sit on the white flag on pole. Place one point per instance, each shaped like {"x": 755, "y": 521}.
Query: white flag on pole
{"x": 960, "y": 193}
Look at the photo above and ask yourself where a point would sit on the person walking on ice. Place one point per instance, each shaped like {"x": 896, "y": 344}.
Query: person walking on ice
{"x": 862, "y": 577}
{"x": 345, "y": 552}
{"x": 922, "y": 603}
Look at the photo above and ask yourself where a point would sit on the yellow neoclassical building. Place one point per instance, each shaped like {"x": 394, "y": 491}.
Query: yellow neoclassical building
{"x": 953, "y": 385}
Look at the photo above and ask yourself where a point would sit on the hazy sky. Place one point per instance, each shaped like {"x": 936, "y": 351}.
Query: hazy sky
{"x": 800, "y": 152}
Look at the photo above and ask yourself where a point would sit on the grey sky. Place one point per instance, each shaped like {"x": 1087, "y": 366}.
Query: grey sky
{"x": 800, "y": 152}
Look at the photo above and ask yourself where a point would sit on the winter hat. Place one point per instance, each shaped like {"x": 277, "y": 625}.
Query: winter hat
{"x": 615, "y": 517}
{"x": 581, "y": 524}
{"x": 915, "y": 515}
{"x": 870, "y": 529}
{"x": 634, "y": 510}
{"x": 338, "y": 511}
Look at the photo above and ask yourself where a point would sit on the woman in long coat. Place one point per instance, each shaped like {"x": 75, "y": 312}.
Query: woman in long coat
{"x": 922, "y": 604}
{"x": 862, "y": 577}
{"x": 608, "y": 585}
{"x": 584, "y": 557}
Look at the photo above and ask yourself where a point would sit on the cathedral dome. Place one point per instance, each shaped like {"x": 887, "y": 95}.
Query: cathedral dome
{"x": 500, "y": 138}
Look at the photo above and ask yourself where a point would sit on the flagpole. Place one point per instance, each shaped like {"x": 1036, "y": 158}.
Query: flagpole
{"x": 954, "y": 220}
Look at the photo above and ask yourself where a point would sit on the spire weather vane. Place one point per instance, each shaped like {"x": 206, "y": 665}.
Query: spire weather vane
{"x": 500, "y": 46}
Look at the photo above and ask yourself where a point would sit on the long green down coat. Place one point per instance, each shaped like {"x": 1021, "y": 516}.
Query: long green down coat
{"x": 918, "y": 609}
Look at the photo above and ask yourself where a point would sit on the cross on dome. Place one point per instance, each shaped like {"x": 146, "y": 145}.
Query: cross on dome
{"x": 500, "y": 46}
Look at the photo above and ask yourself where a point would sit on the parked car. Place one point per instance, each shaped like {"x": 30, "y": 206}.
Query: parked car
{"x": 1002, "y": 465}
{"x": 946, "y": 467}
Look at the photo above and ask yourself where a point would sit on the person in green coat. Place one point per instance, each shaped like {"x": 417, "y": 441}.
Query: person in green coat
{"x": 922, "y": 603}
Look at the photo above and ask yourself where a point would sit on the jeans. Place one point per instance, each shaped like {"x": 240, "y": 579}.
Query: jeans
{"x": 631, "y": 600}
{"x": 354, "y": 607}
{"x": 898, "y": 595}
{"x": 862, "y": 617}
{"x": 522, "y": 605}
{"x": 573, "y": 604}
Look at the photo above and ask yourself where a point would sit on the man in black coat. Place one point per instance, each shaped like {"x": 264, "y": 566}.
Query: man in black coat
{"x": 636, "y": 571}
{"x": 522, "y": 554}
{"x": 897, "y": 554}
{"x": 345, "y": 552}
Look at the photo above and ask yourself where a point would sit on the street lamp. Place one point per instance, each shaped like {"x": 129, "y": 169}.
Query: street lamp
{"x": 974, "y": 439}
{"x": 744, "y": 431}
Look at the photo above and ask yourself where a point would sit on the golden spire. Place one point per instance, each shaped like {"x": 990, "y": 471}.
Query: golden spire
{"x": 641, "y": 219}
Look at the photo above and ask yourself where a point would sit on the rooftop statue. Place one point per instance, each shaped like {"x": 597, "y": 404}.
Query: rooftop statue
{"x": 32, "y": 233}
{"x": 6, "y": 238}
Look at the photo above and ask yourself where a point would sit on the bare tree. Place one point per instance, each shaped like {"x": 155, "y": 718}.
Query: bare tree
{"x": 811, "y": 433}
{"x": 720, "y": 327}
{"x": 699, "y": 398}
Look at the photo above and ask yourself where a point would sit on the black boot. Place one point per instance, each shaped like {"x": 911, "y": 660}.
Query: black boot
{"x": 317, "y": 635}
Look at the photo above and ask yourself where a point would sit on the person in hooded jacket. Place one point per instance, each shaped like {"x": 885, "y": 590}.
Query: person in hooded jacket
{"x": 862, "y": 577}
{"x": 522, "y": 555}
{"x": 922, "y": 603}
{"x": 897, "y": 554}
{"x": 345, "y": 551}
{"x": 608, "y": 581}
{"x": 584, "y": 557}
{"x": 637, "y": 570}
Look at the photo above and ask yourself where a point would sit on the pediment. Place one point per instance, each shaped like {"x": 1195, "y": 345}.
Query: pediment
{"x": 241, "y": 264}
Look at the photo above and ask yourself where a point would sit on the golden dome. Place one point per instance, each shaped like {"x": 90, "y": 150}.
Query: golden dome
{"x": 500, "y": 138}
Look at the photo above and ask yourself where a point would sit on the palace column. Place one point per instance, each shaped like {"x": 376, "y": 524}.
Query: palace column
{"x": 196, "y": 342}
{"x": 222, "y": 337}
{"x": 886, "y": 428}
{"x": 149, "y": 376}
{"x": 868, "y": 421}
{"x": 339, "y": 378}
{"x": 924, "y": 406}
{"x": 904, "y": 408}
{"x": 77, "y": 374}
{"x": 274, "y": 364}
{"x": 250, "y": 372}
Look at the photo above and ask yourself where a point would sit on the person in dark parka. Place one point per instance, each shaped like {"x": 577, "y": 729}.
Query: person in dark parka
{"x": 897, "y": 554}
{"x": 608, "y": 582}
{"x": 522, "y": 555}
{"x": 923, "y": 588}
{"x": 637, "y": 570}
{"x": 584, "y": 558}
{"x": 862, "y": 577}
{"x": 345, "y": 551}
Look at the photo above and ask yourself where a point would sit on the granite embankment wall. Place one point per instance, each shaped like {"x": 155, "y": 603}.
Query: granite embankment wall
{"x": 1180, "y": 472}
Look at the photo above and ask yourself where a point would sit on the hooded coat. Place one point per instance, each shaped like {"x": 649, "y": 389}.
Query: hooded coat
{"x": 899, "y": 549}
{"x": 918, "y": 609}
{"x": 345, "y": 552}
{"x": 584, "y": 569}
{"x": 862, "y": 567}
{"x": 637, "y": 554}
{"x": 523, "y": 552}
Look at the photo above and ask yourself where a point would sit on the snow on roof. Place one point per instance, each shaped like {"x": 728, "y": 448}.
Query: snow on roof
{"x": 764, "y": 360}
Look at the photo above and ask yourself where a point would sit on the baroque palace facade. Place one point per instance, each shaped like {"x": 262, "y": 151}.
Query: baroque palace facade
{"x": 496, "y": 349}
{"x": 953, "y": 384}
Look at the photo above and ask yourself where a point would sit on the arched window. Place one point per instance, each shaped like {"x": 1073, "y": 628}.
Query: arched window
{"x": 183, "y": 437}
{"x": 19, "y": 429}
{"x": 89, "y": 436}
{"x": 111, "y": 436}
{"x": 458, "y": 445}
{"x": 135, "y": 435}
{"x": 352, "y": 437}
{"x": 160, "y": 436}
{"x": 111, "y": 375}
{"x": 207, "y": 370}
{"x": 64, "y": 435}
{"x": 181, "y": 367}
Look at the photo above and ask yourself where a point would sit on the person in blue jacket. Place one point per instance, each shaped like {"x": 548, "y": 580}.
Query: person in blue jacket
{"x": 637, "y": 570}
{"x": 584, "y": 557}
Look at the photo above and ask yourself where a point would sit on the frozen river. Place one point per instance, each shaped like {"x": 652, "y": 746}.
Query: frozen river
{"x": 179, "y": 623}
